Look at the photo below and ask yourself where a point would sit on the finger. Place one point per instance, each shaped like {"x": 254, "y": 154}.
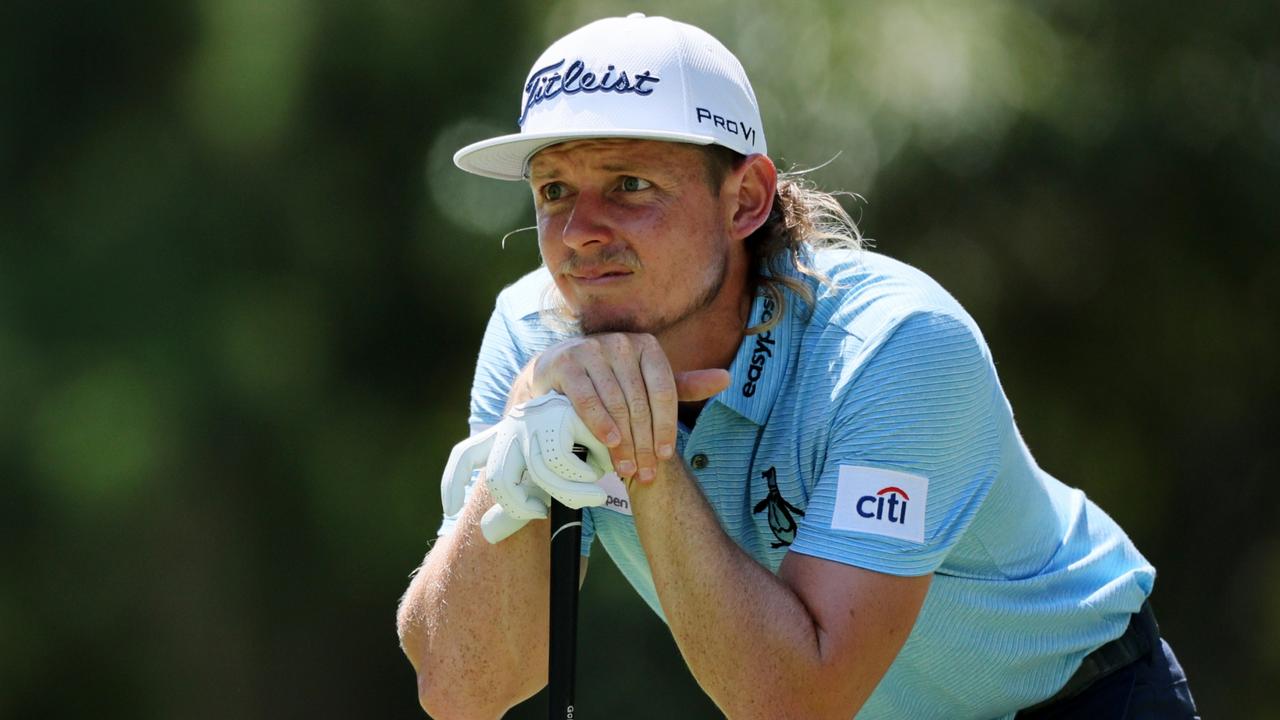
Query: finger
{"x": 551, "y": 449}
{"x": 624, "y": 360}
{"x": 581, "y": 381}
{"x": 508, "y": 483}
{"x": 551, "y": 453}
{"x": 609, "y": 394}
{"x": 552, "y": 424}
{"x": 597, "y": 356}
{"x": 598, "y": 457}
{"x": 465, "y": 457}
{"x": 497, "y": 525}
{"x": 622, "y": 452}
{"x": 660, "y": 386}
{"x": 701, "y": 384}
{"x": 571, "y": 493}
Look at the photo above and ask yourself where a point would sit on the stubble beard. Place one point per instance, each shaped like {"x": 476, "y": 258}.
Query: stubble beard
{"x": 631, "y": 323}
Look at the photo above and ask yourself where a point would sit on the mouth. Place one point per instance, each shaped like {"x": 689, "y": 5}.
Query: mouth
{"x": 599, "y": 276}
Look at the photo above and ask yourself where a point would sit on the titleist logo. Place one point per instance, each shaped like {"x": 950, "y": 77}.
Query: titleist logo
{"x": 548, "y": 82}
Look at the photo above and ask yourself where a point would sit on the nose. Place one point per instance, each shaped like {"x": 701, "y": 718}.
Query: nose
{"x": 586, "y": 223}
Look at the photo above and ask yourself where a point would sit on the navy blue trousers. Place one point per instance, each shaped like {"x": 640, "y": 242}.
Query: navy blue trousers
{"x": 1152, "y": 687}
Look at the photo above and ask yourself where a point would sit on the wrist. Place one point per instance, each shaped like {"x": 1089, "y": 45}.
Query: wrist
{"x": 672, "y": 477}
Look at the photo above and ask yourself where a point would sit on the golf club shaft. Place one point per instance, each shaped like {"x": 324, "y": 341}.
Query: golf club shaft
{"x": 566, "y": 538}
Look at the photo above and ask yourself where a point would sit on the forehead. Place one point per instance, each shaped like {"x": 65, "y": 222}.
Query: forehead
{"x": 615, "y": 154}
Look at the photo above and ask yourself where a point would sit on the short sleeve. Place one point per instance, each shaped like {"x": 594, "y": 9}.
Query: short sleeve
{"x": 512, "y": 337}
{"x": 499, "y": 362}
{"x": 913, "y": 450}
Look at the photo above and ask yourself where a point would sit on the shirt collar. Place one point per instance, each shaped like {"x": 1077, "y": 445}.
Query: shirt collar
{"x": 760, "y": 367}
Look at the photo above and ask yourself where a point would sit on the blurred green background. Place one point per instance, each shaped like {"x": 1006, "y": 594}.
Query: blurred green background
{"x": 242, "y": 289}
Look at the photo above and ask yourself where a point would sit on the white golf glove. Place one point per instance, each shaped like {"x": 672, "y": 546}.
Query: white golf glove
{"x": 528, "y": 459}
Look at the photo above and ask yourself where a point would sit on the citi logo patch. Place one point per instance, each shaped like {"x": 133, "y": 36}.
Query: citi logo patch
{"x": 881, "y": 502}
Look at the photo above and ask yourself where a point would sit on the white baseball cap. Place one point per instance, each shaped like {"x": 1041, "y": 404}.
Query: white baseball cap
{"x": 634, "y": 77}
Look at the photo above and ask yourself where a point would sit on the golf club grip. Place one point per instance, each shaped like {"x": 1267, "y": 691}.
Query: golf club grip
{"x": 566, "y": 539}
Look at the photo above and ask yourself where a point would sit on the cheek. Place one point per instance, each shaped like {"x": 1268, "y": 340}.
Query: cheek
{"x": 552, "y": 252}
{"x": 694, "y": 248}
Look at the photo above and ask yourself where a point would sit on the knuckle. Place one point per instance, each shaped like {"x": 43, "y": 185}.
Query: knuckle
{"x": 639, "y": 410}
{"x": 617, "y": 407}
{"x": 580, "y": 390}
{"x": 601, "y": 430}
{"x": 622, "y": 345}
{"x": 588, "y": 403}
{"x": 611, "y": 391}
{"x": 624, "y": 447}
{"x": 663, "y": 393}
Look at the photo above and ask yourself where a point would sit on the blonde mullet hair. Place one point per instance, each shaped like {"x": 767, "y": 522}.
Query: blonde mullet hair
{"x": 802, "y": 221}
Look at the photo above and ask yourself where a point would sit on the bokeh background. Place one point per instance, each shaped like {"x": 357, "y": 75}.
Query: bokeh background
{"x": 242, "y": 289}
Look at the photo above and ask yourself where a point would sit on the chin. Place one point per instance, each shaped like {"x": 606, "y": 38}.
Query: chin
{"x": 593, "y": 323}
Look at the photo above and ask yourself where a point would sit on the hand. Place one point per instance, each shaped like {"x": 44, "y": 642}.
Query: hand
{"x": 528, "y": 460}
{"x": 623, "y": 388}
{"x": 466, "y": 458}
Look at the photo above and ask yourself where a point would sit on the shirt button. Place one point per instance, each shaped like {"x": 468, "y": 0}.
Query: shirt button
{"x": 699, "y": 461}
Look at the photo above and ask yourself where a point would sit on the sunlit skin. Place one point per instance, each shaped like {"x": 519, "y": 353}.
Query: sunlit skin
{"x": 653, "y": 261}
{"x": 643, "y": 249}
{"x": 637, "y": 242}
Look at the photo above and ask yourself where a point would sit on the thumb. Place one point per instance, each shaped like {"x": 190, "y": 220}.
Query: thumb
{"x": 700, "y": 384}
{"x": 465, "y": 457}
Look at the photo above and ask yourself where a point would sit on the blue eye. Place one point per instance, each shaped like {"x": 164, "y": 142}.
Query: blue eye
{"x": 631, "y": 183}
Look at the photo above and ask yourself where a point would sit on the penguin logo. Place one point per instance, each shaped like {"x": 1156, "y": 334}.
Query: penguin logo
{"x": 781, "y": 513}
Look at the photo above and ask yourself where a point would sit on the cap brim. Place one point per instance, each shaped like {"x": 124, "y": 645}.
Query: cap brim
{"x": 505, "y": 157}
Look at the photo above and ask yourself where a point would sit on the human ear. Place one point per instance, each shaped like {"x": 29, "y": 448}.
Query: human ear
{"x": 749, "y": 191}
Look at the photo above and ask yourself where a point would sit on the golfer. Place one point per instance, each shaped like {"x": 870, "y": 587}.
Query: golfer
{"x": 801, "y": 455}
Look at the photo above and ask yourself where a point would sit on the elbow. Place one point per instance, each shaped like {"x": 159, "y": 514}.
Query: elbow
{"x": 414, "y": 645}
{"x": 443, "y": 699}
{"x": 438, "y": 695}
{"x": 435, "y": 701}
{"x": 476, "y": 693}
{"x": 453, "y": 683}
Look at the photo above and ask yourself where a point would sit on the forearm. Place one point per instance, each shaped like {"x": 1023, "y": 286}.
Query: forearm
{"x": 747, "y": 637}
{"x": 473, "y": 621}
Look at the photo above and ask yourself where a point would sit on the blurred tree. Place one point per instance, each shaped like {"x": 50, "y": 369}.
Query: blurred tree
{"x": 242, "y": 288}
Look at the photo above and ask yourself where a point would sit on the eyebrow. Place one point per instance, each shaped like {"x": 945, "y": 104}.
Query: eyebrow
{"x": 554, "y": 174}
{"x": 551, "y": 174}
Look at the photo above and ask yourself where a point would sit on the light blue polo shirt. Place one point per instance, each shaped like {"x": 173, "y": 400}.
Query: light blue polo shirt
{"x": 871, "y": 430}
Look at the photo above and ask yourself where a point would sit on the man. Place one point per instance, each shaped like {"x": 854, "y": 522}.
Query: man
{"x": 822, "y": 490}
